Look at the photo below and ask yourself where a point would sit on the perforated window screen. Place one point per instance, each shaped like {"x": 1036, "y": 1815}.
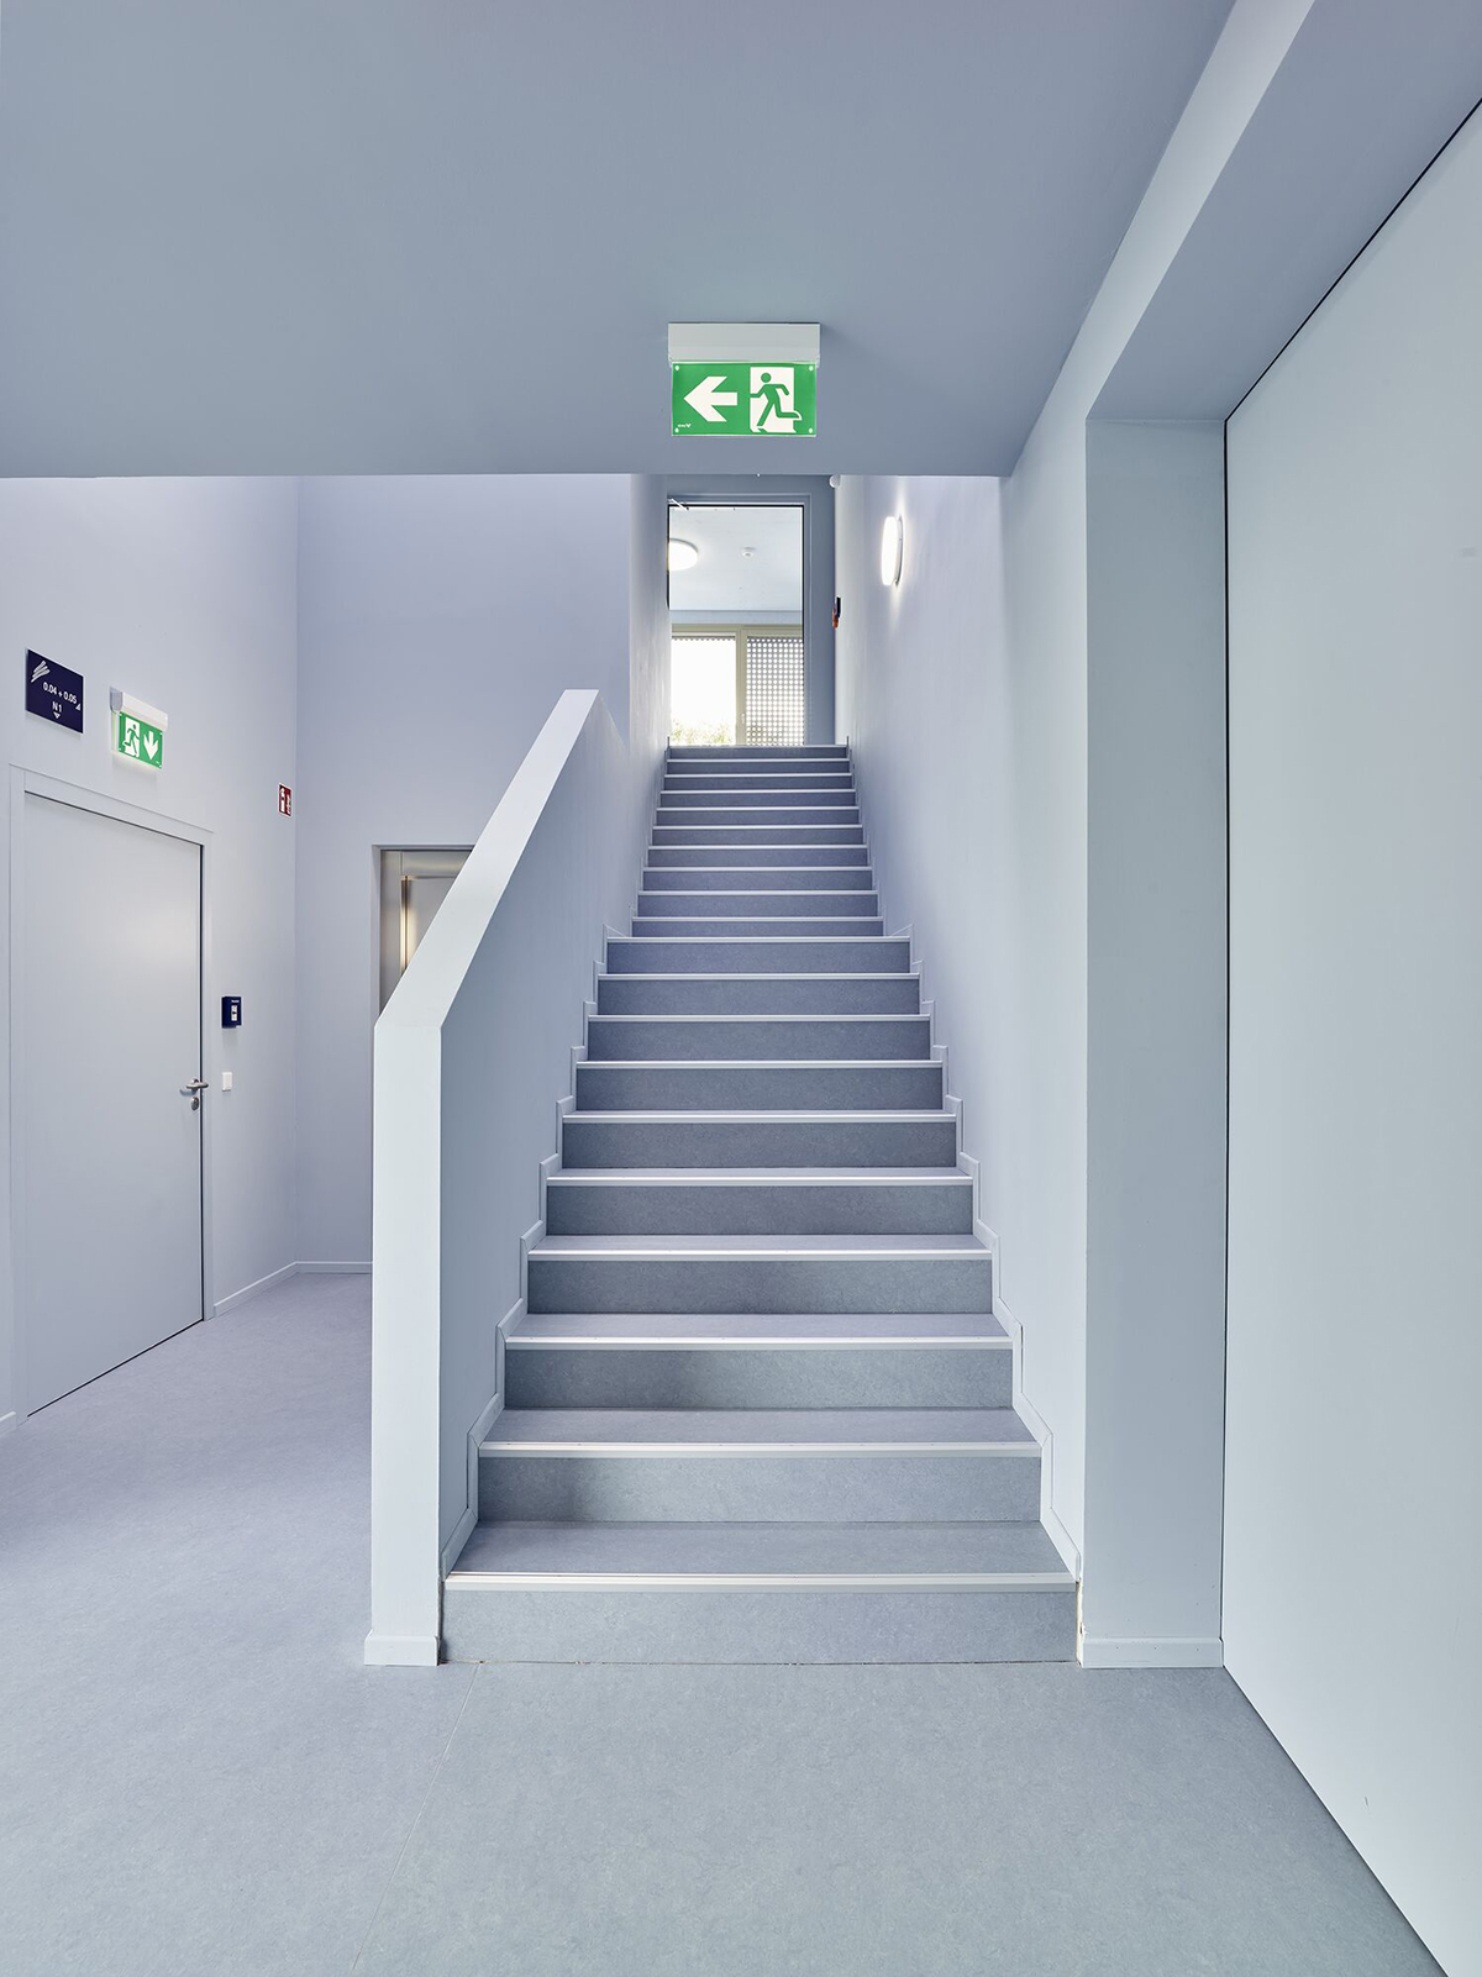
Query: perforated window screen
{"x": 774, "y": 692}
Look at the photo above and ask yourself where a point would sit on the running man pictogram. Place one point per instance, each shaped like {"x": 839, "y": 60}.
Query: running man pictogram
{"x": 772, "y": 396}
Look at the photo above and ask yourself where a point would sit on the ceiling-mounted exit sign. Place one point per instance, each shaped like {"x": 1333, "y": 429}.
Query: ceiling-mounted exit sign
{"x": 744, "y": 380}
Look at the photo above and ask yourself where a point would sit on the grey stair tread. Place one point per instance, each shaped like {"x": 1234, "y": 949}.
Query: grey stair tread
{"x": 763, "y": 776}
{"x": 800, "y": 805}
{"x": 749, "y": 1551}
{"x": 769, "y": 1118}
{"x": 687, "y": 817}
{"x": 767, "y": 870}
{"x": 776, "y": 892}
{"x": 659, "y": 941}
{"x": 880, "y": 975}
{"x": 753, "y": 1328}
{"x": 769, "y": 782}
{"x": 770, "y": 919}
{"x": 770, "y": 1177}
{"x": 784, "y": 1429}
{"x": 748, "y": 1016}
{"x": 729, "y": 1246}
{"x": 758, "y": 1063}
{"x": 683, "y": 926}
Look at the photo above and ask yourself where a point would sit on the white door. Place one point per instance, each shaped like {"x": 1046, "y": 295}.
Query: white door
{"x": 109, "y": 1146}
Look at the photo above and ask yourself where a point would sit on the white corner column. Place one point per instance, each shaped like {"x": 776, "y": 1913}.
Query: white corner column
{"x": 1156, "y": 1044}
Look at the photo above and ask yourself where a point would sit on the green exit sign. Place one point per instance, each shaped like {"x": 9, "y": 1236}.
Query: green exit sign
{"x": 756, "y": 401}
{"x": 138, "y": 729}
{"x": 140, "y": 740}
{"x": 744, "y": 380}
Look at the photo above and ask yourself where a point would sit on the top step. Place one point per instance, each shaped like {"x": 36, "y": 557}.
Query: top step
{"x": 836, "y": 751}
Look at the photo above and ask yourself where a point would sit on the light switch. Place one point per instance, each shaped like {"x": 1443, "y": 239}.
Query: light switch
{"x": 226, "y": 1081}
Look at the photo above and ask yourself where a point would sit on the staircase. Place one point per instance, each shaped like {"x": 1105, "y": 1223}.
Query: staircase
{"x": 758, "y": 1409}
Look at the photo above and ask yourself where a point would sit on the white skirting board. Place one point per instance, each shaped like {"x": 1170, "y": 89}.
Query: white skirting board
{"x": 230, "y": 1303}
{"x": 1115, "y": 1653}
{"x": 281, "y": 1276}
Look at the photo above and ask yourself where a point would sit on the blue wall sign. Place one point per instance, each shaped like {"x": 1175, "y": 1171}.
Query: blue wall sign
{"x": 54, "y": 692}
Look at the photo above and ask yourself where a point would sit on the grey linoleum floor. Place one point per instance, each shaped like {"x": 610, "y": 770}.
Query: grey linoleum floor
{"x": 197, "y": 1775}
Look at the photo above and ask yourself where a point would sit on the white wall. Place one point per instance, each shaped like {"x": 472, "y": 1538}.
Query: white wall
{"x": 1354, "y": 1489}
{"x": 969, "y": 795}
{"x": 439, "y": 618}
{"x": 183, "y": 593}
{"x": 1155, "y": 1041}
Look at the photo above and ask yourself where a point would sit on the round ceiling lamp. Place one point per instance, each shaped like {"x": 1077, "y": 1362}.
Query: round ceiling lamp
{"x": 682, "y": 555}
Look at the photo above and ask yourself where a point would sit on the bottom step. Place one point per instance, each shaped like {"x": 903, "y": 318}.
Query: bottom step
{"x": 759, "y": 1593}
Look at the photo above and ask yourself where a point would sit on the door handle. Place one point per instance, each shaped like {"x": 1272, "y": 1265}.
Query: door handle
{"x": 193, "y": 1091}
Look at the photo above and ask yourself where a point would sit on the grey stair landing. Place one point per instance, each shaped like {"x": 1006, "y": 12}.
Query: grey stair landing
{"x": 759, "y": 1408}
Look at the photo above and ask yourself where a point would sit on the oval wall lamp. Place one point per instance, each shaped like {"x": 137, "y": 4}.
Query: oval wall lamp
{"x": 892, "y": 550}
{"x": 682, "y": 555}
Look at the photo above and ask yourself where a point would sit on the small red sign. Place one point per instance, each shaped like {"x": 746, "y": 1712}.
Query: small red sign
{"x": 285, "y": 800}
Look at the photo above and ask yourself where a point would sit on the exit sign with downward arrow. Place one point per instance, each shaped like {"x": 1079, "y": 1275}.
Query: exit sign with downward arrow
{"x": 138, "y": 729}
{"x": 744, "y": 380}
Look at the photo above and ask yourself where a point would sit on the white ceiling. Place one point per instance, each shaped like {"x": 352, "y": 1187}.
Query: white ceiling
{"x": 308, "y": 236}
{"x": 751, "y": 561}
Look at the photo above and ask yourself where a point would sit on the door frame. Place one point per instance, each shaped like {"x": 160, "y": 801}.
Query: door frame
{"x": 814, "y": 494}
{"x": 24, "y": 783}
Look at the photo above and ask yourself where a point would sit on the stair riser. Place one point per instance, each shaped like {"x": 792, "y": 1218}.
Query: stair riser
{"x": 616, "y": 1142}
{"x": 822, "y": 751}
{"x": 759, "y": 1088}
{"x": 658, "y": 926}
{"x": 700, "y": 995}
{"x": 658, "y": 880}
{"x": 756, "y": 1283}
{"x": 755, "y": 836}
{"x": 752, "y": 1376}
{"x": 685, "y": 780}
{"x": 774, "y": 955}
{"x": 840, "y": 797}
{"x": 815, "y": 1628}
{"x": 657, "y": 909}
{"x": 736, "y": 817}
{"x": 618, "y": 1040}
{"x": 784, "y": 1208}
{"x": 848, "y": 903}
{"x": 762, "y": 1489}
{"x": 781, "y": 857}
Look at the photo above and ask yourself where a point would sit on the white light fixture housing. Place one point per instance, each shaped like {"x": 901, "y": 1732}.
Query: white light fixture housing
{"x": 743, "y": 343}
{"x": 682, "y": 555}
{"x": 892, "y": 550}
